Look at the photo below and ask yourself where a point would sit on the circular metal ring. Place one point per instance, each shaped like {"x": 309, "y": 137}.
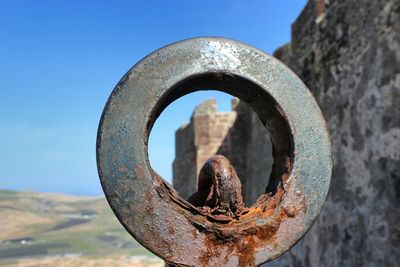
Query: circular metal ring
{"x": 151, "y": 210}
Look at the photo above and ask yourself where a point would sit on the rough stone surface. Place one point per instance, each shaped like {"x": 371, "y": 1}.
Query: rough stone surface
{"x": 348, "y": 54}
{"x": 251, "y": 152}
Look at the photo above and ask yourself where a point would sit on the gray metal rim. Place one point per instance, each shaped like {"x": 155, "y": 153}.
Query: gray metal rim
{"x": 150, "y": 209}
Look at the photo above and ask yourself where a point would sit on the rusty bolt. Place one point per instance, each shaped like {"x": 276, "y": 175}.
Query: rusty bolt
{"x": 152, "y": 211}
{"x": 219, "y": 189}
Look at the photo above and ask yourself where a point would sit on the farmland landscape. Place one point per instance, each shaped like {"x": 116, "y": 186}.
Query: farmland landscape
{"x": 42, "y": 229}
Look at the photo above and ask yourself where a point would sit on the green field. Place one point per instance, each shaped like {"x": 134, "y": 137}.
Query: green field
{"x": 40, "y": 229}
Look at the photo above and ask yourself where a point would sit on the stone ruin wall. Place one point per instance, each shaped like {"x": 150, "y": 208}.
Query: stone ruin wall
{"x": 348, "y": 54}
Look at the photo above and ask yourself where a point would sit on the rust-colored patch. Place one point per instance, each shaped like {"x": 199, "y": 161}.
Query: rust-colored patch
{"x": 267, "y": 232}
{"x": 290, "y": 211}
{"x": 211, "y": 248}
{"x": 149, "y": 206}
{"x": 139, "y": 171}
{"x": 171, "y": 230}
{"x": 194, "y": 232}
{"x": 246, "y": 249}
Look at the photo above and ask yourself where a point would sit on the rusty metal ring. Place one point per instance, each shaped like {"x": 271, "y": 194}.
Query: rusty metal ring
{"x": 153, "y": 213}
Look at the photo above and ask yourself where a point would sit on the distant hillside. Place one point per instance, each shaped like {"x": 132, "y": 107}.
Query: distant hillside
{"x": 41, "y": 229}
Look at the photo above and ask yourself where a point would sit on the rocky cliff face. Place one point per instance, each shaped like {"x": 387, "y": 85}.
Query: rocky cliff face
{"x": 348, "y": 54}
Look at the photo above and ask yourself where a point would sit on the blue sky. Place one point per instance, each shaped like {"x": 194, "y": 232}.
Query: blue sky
{"x": 60, "y": 60}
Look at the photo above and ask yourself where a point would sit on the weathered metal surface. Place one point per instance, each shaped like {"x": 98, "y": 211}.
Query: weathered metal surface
{"x": 151, "y": 210}
{"x": 219, "y": 190}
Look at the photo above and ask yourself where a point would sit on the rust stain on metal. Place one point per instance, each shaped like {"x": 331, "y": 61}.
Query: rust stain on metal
{"x": 139, "y": 171}
{"x": 148, "y": 198}
{"x": 241, "y": 235}
{"x": 221, "y": 214}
